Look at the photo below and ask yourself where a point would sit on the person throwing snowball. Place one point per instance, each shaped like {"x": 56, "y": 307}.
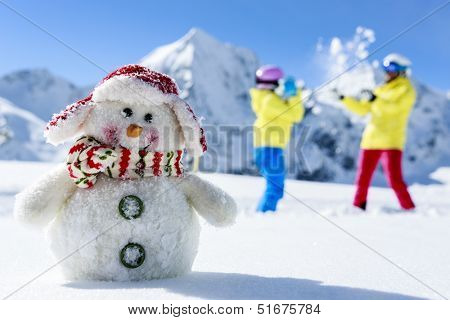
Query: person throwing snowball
{"x": 389, "y": 106}
{"x": 275, "y": 115}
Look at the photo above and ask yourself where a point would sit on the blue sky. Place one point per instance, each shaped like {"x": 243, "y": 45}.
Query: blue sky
{"x": 113, "y": 33}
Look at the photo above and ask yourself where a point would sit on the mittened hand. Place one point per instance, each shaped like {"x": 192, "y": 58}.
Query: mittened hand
{"x": 337, "y": 95}
{"x": 290, "y": 88}
{"x": 367, "y": 95}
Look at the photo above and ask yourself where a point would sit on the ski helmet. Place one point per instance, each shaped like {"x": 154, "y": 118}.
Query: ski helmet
{"x": 395, "y": 62}
{"x": 267, "y": 76}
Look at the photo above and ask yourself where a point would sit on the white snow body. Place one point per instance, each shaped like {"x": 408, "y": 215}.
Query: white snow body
{"x": 87, "y": 232}
{"x": 167, "y": 229}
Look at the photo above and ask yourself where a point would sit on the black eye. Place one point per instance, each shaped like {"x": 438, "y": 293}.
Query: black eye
{"x": 148, "y": 118}
{"x": 127, "y": 112}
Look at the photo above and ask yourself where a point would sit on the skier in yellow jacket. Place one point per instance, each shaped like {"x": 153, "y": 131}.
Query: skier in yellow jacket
{"x": 389, "y": 106}
{"x": 275, "y": 116}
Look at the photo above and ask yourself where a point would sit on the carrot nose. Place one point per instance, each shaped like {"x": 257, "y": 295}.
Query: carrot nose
{"x": 134, "y": 131}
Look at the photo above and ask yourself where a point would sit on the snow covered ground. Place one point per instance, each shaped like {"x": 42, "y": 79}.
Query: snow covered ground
{"x": 295, "y": 254}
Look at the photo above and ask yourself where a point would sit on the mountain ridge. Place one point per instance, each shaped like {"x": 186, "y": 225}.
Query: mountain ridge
{"x": 214, "y": 77}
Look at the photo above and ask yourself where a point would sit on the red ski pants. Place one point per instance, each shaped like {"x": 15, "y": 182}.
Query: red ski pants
{"x": 391, "y": 161}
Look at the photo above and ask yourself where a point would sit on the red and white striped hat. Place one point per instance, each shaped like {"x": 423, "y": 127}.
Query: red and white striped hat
{"x": 132, "y": 84}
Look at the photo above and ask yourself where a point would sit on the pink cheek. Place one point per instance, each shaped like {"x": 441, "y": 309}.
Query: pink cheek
{"x": 152, "y": 138}
{"x": 111, "y": 135}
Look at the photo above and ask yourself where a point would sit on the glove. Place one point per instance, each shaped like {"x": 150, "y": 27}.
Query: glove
{"x": 337, "y": 94}
{"x": 289, "y": 88}
{"x": 367, "y": 95}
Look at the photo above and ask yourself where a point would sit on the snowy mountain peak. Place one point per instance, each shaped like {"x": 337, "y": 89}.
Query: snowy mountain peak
{"x": 198, "y": 37}
{"x": 31, "y": 75}
{"x": 194, "y": 38}
{"x": 21, "y": 135}
{"x": 39, "y": 91}
{"x": 180, "y": 53}
{"x": 213, "y": 76}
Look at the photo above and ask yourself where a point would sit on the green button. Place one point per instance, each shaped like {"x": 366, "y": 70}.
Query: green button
{"x": 131, "y": 207}
{"x": 132, "y": 255}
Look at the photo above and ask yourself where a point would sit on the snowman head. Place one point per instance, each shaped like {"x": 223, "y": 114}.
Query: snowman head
{"x": 133, "y": 107}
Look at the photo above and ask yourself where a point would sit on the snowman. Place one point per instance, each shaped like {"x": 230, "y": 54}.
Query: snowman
{"x": 122, "y": 207}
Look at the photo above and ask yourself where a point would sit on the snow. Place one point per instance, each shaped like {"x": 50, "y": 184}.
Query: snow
{"x": 39, "y": 91}
{"x": 216, "y": 86}
{"x": 214, "y": 77}
{"x": 297, "y": 253}
{"x": 334, "y": 133}
{"x": 294, "y": 254}
{"x": 21, "y": 135}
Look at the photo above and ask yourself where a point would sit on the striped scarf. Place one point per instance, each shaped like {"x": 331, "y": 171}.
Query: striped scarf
{"x": 88, "y": 157}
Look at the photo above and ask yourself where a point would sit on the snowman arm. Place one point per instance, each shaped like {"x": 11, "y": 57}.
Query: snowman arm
{"x": 39, "y": 202}
{"x": 211, "y": 202}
